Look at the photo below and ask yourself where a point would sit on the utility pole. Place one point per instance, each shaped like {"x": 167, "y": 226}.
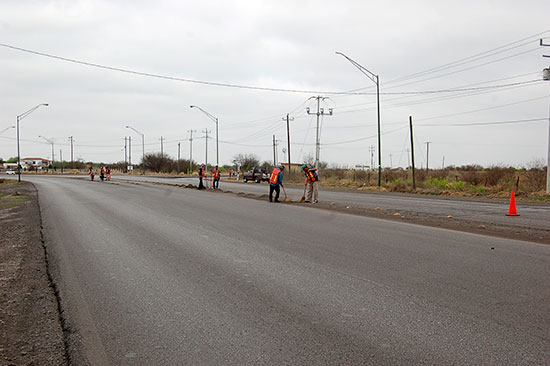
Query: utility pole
{"x": 546, "y": 76}
{"x": 125, "y": 154}
{"x": 72, "y": 156}
{"x": 391, "y": 163}
{"x": 162, "y": 147}
{"x": 191, "y": 150}
{"x": 206, "y": 132}
{"x": 179, "y": 156}
{"x": 412, "y": 150}
{"x": 61, "y": 159}
{"x": 427, "y": 155}
{"x": 320, "y": 112}
{"x": 274, "y": 152}
{"x": 443, "y": 165}
{"x": 129, "y": 150}
{"x": 371, "y": 149}
{"x": 288, "y": 136}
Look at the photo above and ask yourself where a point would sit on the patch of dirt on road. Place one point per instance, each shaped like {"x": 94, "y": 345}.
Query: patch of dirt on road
{"x": 29, "y": 315}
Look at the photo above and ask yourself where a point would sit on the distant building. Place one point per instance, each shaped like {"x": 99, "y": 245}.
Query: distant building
{"x": 34, "y": 164}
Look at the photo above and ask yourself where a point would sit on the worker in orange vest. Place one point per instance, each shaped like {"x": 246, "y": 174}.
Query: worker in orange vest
{"x": 216, "y": 181}
{"x": 275, "y": 181}
{"x": 202, "y": 174}
{"x": 312, "y": 180}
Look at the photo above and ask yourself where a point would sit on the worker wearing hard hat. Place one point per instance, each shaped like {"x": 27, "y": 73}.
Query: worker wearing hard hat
{"x": 275, "y": 182}
{"x": 312, "y": 180}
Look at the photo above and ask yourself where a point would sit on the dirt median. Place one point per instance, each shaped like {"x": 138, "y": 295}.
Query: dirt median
{"x": 29, "y": 317}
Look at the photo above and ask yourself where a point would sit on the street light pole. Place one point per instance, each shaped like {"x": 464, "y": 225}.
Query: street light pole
{"x": 142, "y": 148}
{"x": 51, "y": 142}
{"x": 215, "y": 119}
{"x": 375, "y": 79}
{"x": 19, "y": 118}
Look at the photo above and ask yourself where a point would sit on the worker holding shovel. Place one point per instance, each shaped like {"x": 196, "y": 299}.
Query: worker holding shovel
{"x": 312, "y": 180}
{"x": 275, "y": 181}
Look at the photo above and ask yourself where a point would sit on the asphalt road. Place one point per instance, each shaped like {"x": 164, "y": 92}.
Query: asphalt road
{"x": 492, "y": 212}
{"x": 160, "y": 275}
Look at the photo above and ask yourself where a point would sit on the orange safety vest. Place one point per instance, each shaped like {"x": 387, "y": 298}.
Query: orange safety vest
{"x": 274, "y": 176}
{"x": 216, "y": 173}
{"x": 311, "y": 176}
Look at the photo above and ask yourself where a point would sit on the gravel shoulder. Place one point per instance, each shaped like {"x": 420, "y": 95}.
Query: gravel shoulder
{"x": 29, "y": 317}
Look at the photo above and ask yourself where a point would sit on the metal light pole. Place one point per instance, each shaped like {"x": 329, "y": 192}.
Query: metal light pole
{"x": 142, "y": 148}
{"x": 374, "y": 78}
{"x": 215, "y": 119}
{"x": 19, "y": 118}
{"x": 51, "y": 142}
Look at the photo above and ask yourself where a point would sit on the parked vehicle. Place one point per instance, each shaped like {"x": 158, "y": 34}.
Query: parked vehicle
{"x": 257, "y": 175}
{"x": 10, "y": 172}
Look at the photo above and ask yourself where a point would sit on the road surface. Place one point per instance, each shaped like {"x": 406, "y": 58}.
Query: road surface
{"x": 160, "y": 275}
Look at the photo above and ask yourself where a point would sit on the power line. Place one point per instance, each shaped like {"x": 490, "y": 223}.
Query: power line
{"x": 173, "y": 78}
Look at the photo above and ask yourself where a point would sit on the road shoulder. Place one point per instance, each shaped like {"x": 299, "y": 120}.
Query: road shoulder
{"x": 29, "y": 312}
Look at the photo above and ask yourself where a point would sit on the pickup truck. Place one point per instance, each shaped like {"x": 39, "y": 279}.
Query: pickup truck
{"x": 257, "y": 175}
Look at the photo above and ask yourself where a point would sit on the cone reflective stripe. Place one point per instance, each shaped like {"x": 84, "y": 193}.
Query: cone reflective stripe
{"x": 513, "y": 211}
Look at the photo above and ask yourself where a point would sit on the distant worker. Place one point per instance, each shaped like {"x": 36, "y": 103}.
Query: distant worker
{"x": 311, "y": 181}
{"x": 202, "y": 174}
{"x": 275, "y": 181}
{"x": 216, "y": 181}
{"x": 102, "y": 176}
{"x": 91, "y": 173}
{"x": 108, "y": 172}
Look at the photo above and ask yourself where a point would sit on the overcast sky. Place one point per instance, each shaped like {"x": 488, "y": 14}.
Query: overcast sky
{"x": 460, "y": 68}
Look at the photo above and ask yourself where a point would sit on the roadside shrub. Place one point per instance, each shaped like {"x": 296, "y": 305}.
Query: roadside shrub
{"x": 457, "y": 185}
{"x": 439, "y": 183}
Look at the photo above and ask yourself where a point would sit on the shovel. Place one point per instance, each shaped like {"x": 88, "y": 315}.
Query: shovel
{"x": 286, "y": 197}
{"x": 303, "y": 199}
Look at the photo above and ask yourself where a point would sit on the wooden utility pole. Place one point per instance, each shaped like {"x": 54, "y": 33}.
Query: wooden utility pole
{"x": 412, "y": 150}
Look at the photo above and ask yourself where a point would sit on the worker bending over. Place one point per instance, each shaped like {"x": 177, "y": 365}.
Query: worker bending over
{"x": 275, "y": 182}
{"x": 312, "y": 180}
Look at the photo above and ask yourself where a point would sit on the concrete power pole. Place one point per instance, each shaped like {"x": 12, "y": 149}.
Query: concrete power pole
{"x": 206, "y": 132}
{"x": 162, "y": 146}
{"x": 546, "y": 76}
{"x": 129, "y": 150}
{"x": 72, "y": 156}
{"x": 125, "y": 154}
{"x": 191, "y": 150}
{"x": 288, "y": 136}
{"x": 427, "y": 155}
{"x": 320, "y": 112}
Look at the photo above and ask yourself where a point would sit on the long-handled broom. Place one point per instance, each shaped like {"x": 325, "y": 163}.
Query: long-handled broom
{"x": 286, "y": 197}
{"x": 303, "y": 199}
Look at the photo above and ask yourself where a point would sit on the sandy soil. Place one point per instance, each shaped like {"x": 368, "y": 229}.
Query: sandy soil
{"x": 29, "y": 315}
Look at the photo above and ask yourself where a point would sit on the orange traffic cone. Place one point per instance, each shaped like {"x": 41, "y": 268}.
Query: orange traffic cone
{"x": 512, "y": 211}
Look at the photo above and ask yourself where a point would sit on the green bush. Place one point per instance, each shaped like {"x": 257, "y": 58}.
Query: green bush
{"x": 440, "y": 183}
{"x": 457, "y": 185}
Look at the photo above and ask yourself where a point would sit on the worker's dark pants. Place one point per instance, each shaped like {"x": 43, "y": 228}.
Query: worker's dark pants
{"x": 277, "y": 191}
{"x": 216, "y": 183}
{"x": 201, "y": 186}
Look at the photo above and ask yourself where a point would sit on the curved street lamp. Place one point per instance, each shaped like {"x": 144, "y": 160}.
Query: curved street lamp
{"x": 374, "y": 78}
{"x": 142, "y": 148}
{"x": 51, "y": 142}
{"x": 215, "y": 119}
{"x": 19, "y": 118}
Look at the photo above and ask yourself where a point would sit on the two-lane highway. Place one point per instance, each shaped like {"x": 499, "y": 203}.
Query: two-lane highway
{"x": 159, "y": 275}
